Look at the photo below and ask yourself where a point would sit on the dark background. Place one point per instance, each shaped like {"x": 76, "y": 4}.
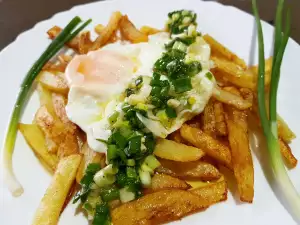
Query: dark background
{"x": 19, "y": 15}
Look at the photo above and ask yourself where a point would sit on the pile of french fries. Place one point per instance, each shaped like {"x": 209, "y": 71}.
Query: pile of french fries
{"x": 189, "y": 178}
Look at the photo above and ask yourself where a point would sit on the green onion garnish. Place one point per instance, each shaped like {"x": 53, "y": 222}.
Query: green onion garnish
{"x": 283, "y": 182}
{"x": 65, "y": 36}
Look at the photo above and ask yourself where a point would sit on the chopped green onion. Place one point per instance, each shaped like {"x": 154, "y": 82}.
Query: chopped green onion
{"x": 134, "y": 145}
{"x": 145, "y": 178}
{"x": 103, "y": 180}
{"x": 130, "y": 172}
{"x": 102, "y": 215}
{"x": 114, "y": 117}
{"x": 171, "y": 112}
{"x": 146, "y": 168}
{"x": 126, "y": 195}
{"x": 110, "y": 194}
{"x": 156, "y": 90}
{"x": 112, "y": 152}
{"x": 283, "y": 182}
{"x": 139, "y": 81}
{"x": 209, "y": 75}
{"x": 65, "y": 36}
{"x": 152, "y": 162}
{"x": 130, "y": 162}
{"x": 182, "y": 84}
{"x": 87, "y": 182}
{"x": 179, "y": 46}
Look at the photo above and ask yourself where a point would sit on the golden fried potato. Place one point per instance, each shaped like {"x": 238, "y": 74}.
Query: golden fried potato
{"x": 221, "y": 128}
{"x": 209, "y": 119}
{"x": 54, "y": 32}
{"x": 84, "y": 42}
{"x": 69, "y": 146}
{"x": 209, "y": 145}
{"x": 54, "y": 82}
{"x": 172, "y": 150}
{"x": 45, "y": 97}
{"x": 89, "y": 156}
{"x": 158, "y": 208}
{"x": 212, "y": 192}
{"x": 268, "y": 70}
{"x": 230, "y": 99}
{"x": 241, "y": 155}
{"x": 247, "y": 94}
{"x": 235, "y": 75}
{"x": 99, "y": 28}
{"x": 108, "y": 31}
{"x": 130, "y": 33}
{"x": 35, "y": 138}
{"x": 149, "y": 30}
{"x": 162, "y": 182}
{"x": 284, "y": 131}
{"x": 175, "y": 136}
{"x": 52, "y": 203}
{"x": 189, "y": 170}
{"x": 287, "y": 154}
{"x": 220, "y": 50}
{"x": 59, "y": 104}
{"x": 53, "y": 130}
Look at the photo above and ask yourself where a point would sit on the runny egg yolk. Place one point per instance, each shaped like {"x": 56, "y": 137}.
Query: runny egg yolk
{"x": 98, "y": 71}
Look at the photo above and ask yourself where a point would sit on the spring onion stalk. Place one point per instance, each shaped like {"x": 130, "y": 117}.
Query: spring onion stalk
{"x": 66, "y": 35}
{"x": 285, "y": 187}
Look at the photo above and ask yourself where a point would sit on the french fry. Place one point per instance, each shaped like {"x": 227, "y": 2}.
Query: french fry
{"x": 175, "y": 136}
{"x": 241, "y": 155}
{"x": 108, "y": 31}
{"x": 36, "y": 140}
{"x": 45, "y": 97}
{"x": 247, "y": 94}
{"x": 209, "y": 145}
{"x": 212, "y": 192}
{"x": 209, "y": 120}
{"x": 287, "y": 154}
{"x": 69, "y": 146}
{"x": 284, "y": 131}
{"x": 196, "y": 122}
{"x": 89, "y": 156}
{"x": 52, "y": 203}
{"x": 129, "y": 31}
{"x": 149, "y": 30}
{"x": 158, "y": 207}
{"x": 220, "y": 50}
{"x": 162, "y": 182}
{"x": 172, "y": 150}
{"x": 54, "y": 82}
{"x": 54, "y": 32}
{"x": 53, "y": 130}
{"x": 189, "y": 170}
{"x": 99, "y": 28}
{"x": 230, "y": 99}
{"x": 221, "y": 128}
{"x": 239, "y": 77}
{"x": 84, "y": 42}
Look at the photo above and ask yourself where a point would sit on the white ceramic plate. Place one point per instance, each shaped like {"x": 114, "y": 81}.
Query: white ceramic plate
{"x": 232, "y": 27}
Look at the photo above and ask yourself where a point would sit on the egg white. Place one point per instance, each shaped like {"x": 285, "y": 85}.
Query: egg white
{"x": 91, "y": 112}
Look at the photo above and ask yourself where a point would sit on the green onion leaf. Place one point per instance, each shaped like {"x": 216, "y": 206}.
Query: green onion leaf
{"x": 65, "y": 36}
{"x": 283, "y": 183}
